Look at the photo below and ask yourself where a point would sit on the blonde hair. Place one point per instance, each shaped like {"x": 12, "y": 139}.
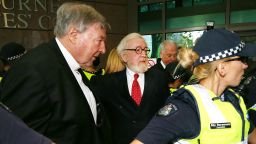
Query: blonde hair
{"x": 186, "y": 57}
{"x": 205, "y": 70}
{"x": 114, "y": 63}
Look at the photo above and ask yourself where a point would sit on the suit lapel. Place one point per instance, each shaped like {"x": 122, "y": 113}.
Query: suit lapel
{"x": 148, "y": 87}
{"x": 124, "y": 88}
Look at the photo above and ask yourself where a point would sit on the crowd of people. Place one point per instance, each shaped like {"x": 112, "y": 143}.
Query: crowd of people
{"x": 56, "y": 93}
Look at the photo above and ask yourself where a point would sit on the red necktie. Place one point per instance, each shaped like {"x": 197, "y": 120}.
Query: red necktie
{"x": 136, "y": 93}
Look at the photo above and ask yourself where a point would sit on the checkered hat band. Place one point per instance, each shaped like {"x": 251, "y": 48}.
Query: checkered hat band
{"x": 16, "y": 56}
{"x": 222, "y": 54}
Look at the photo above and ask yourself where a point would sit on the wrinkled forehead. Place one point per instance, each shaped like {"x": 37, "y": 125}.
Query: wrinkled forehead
{"x": 170, "y": 47}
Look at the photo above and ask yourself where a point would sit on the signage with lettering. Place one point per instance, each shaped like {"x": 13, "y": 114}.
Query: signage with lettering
{"x": 28, "y": 14}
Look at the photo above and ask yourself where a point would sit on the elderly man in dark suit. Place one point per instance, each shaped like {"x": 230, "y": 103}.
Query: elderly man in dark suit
{"x": 45, "y": 89}
{"x": 168, "y": 54}
{"x": 132, "y": 96}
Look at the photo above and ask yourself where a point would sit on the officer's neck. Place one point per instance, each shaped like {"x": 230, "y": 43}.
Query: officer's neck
{"x": 214, "y": 86}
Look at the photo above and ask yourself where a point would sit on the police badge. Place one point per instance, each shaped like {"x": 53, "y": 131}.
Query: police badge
{"x": 167, "y": 110}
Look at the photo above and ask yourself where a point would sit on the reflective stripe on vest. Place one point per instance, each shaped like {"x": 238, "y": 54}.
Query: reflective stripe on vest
{"x": 253, "y": 107}
{"x": 220, "y": 122}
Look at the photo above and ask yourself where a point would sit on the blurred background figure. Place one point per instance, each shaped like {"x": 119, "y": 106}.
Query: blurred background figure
{"x": 177, "y": 75}
{"x": 180, "y": 72}
{"x": 114, "y": 63}
{"x": 247, "y": 89}
{"x": 10, "y": 53}
{"x": 168, "y": 54}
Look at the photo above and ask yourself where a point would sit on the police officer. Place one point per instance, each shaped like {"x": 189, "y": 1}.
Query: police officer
{"x": 93, "y": 71}
{"x": 10, "y": 53}
{"x": 247, "y": 89}
{"x": 207, "y": 112}
{"x": 179, "y": 73}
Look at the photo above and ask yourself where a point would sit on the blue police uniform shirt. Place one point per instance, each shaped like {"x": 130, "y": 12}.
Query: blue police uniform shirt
{"x": 181, "y": 112}
{"x": 14, "y": 131}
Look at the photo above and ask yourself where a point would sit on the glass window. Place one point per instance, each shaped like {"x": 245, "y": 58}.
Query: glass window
{"x": 150, "y": 17}
{"x": 143, "y": 1}
{"x": 243, "y": 11}
{"x": 194, "y": 16}
{"x": 144, "y": 8}
{"x": 207, "y": 2}
{"x": 249, "y": 39}
{"x": 153, "y": 41}
{"x": 189, "y": 3}
{"x": 185, "y": 39}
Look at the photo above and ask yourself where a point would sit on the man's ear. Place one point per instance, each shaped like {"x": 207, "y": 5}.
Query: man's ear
{"x": 72, "y": 34}
{"x": 123, "y": 57}
{"x": 221, "y": 68}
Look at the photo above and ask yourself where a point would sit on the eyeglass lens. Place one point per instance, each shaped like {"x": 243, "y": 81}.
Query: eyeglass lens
{"x": 140, "y": 49}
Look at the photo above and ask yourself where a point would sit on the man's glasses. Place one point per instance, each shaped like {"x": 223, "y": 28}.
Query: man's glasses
{"x": 139, "y": 50}
{"x": 241, "y": 59}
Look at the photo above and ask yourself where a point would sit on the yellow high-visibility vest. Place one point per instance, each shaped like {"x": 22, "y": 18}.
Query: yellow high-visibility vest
{"x": 219, "y": 121}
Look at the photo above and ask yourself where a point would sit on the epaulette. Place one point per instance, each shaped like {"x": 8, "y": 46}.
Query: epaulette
{"x": 181, "y": 93}
{"x": 184, "y": 95}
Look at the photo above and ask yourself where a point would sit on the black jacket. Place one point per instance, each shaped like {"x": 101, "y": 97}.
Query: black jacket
{"x": 126, "y": 118}
{"x": 42, "y": 90}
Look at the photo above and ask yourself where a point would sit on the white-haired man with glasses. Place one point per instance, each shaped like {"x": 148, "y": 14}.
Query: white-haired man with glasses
{"x": 132, "y": 96}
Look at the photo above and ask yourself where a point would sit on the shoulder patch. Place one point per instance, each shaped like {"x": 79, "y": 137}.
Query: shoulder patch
{"x": 167, "y": 110}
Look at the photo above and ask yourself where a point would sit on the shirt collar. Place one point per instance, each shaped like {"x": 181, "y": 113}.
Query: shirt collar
{"x": 162, "y": 63}
{"x": 73, "y": 64}
{"x": 131, "y": 73}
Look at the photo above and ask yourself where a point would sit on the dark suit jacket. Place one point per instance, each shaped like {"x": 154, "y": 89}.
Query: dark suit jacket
{"x": 126, "y": 118}
{"x": 158, "y": 65}
{"x": 42, "y": 90}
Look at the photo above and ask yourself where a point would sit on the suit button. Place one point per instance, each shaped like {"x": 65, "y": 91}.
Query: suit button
{"x": 121, "y": 107}
{"x": 134, "y": 122}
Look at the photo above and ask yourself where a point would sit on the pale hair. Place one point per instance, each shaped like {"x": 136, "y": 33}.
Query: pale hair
{"x": 165, "y": 42}
{"x": 78, "y": 15}
{"x": 124, "y": 42}
{"x": 114, "y": 63}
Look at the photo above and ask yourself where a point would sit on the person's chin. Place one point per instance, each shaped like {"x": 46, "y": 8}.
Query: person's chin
{"x": 140, "y": 69}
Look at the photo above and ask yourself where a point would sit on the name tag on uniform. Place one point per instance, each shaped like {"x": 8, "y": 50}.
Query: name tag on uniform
{"x": 220, "y": 125}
